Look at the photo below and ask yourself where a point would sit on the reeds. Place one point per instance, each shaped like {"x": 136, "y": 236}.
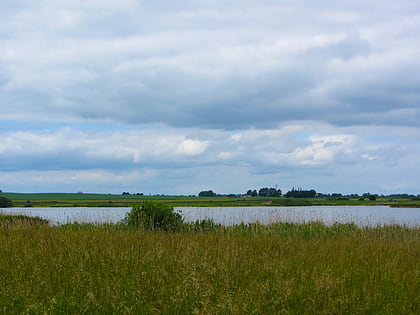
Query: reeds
{"x": 210, "y": 269}
{"x": 20, "y": 220}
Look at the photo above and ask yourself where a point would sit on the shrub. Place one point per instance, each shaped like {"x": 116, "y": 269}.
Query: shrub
{"x": 154, "y": 216}
{"x": 5, "y": 202}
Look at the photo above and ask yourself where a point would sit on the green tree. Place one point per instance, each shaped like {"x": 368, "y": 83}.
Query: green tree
{"x": 207, "y": 193}
{"x": 263, "y": 192}
{"x": 273, "y": 192}
{"x": 269, "y": 192}
{"x": 154, "y": 216}
{"x": 300, "y": 193}
{"x": 5, "y": 202}
{"x": 252, "y": 193}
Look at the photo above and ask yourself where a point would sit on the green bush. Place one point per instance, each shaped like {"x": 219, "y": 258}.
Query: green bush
{"x": 154, "y": 216}
{"x": 5, "y": 202}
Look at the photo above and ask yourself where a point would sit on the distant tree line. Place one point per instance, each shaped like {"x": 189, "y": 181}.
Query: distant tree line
{"x": 402, "y": 196}
{"x": 300, "y": 193}
{"x": 264, "y": 192}
{"x": 274, "y": 192}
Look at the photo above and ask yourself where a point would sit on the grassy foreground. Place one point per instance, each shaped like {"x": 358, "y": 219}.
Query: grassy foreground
{"x": 245, "y": 269}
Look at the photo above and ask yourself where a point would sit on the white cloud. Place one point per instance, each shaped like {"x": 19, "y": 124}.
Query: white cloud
{"x": 175, "y": 66}
{"x": 79, "y": 149}
{"x": 191, "y": 147}
{"x": 136, "y": 159}
{"x": 207, "y": 85}
{"x": 368, "y": 157}
{"x": 324, "y": 149}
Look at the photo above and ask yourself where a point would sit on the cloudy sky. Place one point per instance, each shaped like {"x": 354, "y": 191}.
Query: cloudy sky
{"x": 175, "y": 97}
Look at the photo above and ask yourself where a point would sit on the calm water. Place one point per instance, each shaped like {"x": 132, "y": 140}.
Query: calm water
{"x": 361, "y": 215}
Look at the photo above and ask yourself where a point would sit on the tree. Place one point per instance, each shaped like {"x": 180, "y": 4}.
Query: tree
{"x": 263, "y": 192}
{"x": 273, "y": 192}
{"x": 370, "y": 196}
{"x": 206, "y": 193}
{"x": 5, "y": 202}
{"x": 269, "y": 192}
{"x": 154, "y": 216}
{"x": 299, "y": 193}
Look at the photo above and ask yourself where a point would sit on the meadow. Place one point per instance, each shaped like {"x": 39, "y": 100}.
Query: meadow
{"x": 205, "y": 268}
{"x": 113, "y": 200}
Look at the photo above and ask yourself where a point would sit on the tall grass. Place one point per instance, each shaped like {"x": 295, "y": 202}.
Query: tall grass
{"x": 20, "y": 220}
{"x": 210, "y": 269}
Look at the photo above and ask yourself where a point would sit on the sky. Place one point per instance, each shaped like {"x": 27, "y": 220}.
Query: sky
{"x": 176, "y": 97}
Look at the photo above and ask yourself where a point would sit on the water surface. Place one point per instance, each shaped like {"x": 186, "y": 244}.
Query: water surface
{"x": 361, "y": 215}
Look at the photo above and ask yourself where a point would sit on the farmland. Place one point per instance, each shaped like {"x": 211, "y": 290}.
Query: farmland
{"x": 113, "y": 200}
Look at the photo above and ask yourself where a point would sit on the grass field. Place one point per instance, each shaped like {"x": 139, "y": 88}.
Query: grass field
{"x": 204, "y": 269}
{"x": 109, "y": 200}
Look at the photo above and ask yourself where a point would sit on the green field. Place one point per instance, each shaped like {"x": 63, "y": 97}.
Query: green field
{"x": 283, "y": 268}
{"x": 110, "y": 200}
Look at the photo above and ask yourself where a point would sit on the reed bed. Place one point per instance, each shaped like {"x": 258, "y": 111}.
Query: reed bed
{"x": 209, "y": 269}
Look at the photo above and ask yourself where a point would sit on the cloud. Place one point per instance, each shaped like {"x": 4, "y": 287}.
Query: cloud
{"x": 210, "y": 65}
{"x": 81, "y": 150}
{"x": 324, "y": 150}
{"x": 281, "y": 155}
{"x": 189, "y": 95}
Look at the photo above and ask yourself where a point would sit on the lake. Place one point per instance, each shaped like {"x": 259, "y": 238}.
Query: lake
{"x": 360, "y": 215}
